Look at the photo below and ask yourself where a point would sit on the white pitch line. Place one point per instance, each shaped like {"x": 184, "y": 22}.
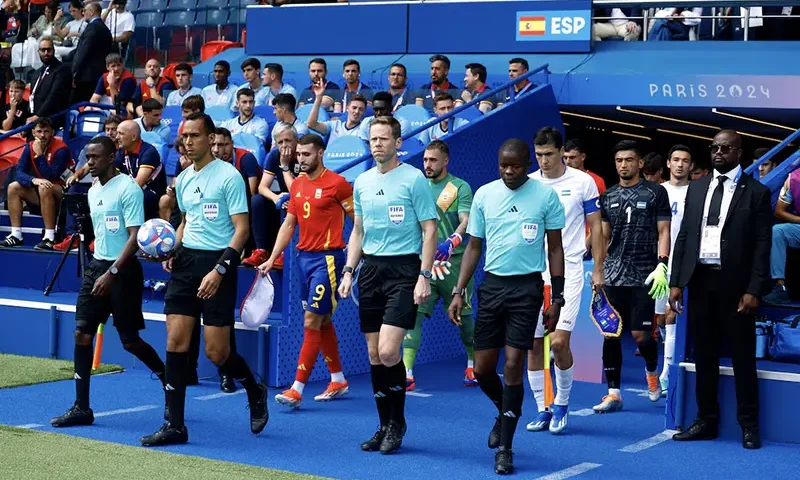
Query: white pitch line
{"x": 585, "y": 412}
{"x": 638, "y": 391}
{"x": 219, "y": 395}
{"x": 572, "y": 471}
{"x": 649, "y": 442}
{"x": 418, "y": 394}
{"x": 30, "y": 425}
{"x": 143, "y": 408}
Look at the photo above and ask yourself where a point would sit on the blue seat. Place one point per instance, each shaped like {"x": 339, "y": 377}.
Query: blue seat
{"x": 172, "y": 117}
{"x": 153, "y": 5}
{"x": 220, "y": 113}
{"x": 242, "y": 16}
{"x": 213, "y": 3}
{"x": 182, "y": 4}
{"x": 217, "y": 17}
{"x": 157, "y": 142}
{"x": 369, "y": 112}
{"x": 149, "y": 19}
{"x": 183, "y": 18}
{"x": 252, "y": 144}
{"x": 303, "y": 112}
{"x": 415, "y": 115}
{"x": 344, "y": 150}
{"x": 267, "y": 112}
{"x": 410, "y": 147}
{"x": 470, "y": 114}
{"x": 89, "y": 123}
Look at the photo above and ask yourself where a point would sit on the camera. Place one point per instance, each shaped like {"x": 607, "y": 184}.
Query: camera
{"x": 77, "y": 204}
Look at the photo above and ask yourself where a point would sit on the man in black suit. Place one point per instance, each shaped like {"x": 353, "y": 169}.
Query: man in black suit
{"x": 89, "y": 61}
{"x": 50, "y": 85}
{"x": 722, "y": 255}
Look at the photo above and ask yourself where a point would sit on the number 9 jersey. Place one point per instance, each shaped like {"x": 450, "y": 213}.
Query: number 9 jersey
{"x": 320, "y": 206}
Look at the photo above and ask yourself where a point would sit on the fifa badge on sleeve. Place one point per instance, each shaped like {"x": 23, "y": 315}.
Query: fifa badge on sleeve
{"x": 604, "y": 315}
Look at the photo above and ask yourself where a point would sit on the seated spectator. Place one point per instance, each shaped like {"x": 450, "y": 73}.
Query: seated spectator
{"x": 73, "y": 29}
{"x": 17, "y": 109}
{"x": 398, "y": 87}
{"x": 247, "y": 121}
{"x": 653, "y": 169}
{"x": 244, "y": 161}
{"x": 443, "y": 104}
{"x": 121, "y": 24}
{"x": 675, "y": 24}
{"x": 150, "y": 121}
{"x": 616, "y": 23}
{"x": 51, "y": 86}
{"x": 273, "y": 85}
{"x": 350, "y": 126}
{"x": 14, "y": 22}
{"x": 440, "y": 69}
{"x": 784, "y": 235}
{"x": 168, "y": 204}
{"x": 192, "y": 104}
{"x": 38, "y": 180}
{"x": 517, "y": 67}
{"x": 142, "y": 162}
{"x": 768, "y": 165}
{"x": 281, "y": 166}
{"x": 475, "y": 81}
{"x": 116, "y": 86}
{"x": 284, "y": 112}
{"x": 153, "y": 86}
{"x": 49, "y": 24}
{"x": 183, "y": 76}
{"x": 382, "y": 107}
{"x": 318, "y": 72}
{"x": 352, "y": 85}
{"x": 251, "y": 70}
{"x": 221, "y": 92}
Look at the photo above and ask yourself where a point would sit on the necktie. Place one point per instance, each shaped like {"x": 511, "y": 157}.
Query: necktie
{"x": 716, "y": 202}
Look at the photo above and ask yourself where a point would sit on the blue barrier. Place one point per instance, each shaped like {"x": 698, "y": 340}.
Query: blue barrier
{"x": 30, "y": 126}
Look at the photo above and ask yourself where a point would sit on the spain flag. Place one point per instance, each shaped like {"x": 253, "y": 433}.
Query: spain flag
{"x": 530, "y": 26}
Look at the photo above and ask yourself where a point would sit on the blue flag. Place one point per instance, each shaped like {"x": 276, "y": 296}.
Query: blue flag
{"x": 604, "y": 315}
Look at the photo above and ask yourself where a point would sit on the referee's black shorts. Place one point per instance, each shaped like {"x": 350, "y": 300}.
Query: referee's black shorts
{"x": 188, "y": 269}
{"x": 386, "y": 292}
{"x": 508, "y": 310}
{"x": 635, "y": 306}
{"x": 124, "y": 301}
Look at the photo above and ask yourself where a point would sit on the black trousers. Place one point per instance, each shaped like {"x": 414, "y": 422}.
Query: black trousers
{"x": 712, "y": 316}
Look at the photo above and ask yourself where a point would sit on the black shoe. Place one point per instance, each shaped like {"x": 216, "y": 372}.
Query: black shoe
{"x": 751, "y": 439}
{"x": 494, "y": 435}
{"x": 45, "y": 244}
{"x": 393, "y": 439}
{"x": 166, "y": 435}
{"x": 226, "y": 384}
{"x": 192, "y": 378}
{"x": 374, "y": 443}
{"x": 503, "y": 461}
{"x": 259, "y": 414}
{"x": 699, "y": 430}
{"x": 11, "y": 241}
{"x": 74, "y": 417}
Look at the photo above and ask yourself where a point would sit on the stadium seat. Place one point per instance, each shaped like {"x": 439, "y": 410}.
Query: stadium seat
{"x": 369, "y": 112}
{"x": 267, "y": 112}
{"x": 146, "y": 34}
{"x": 252, "y": 144}
{"x": 151, "y": 6}
{"x": 215, "y": 47}
{"x": 415, "y": 115}
{"x": 303, "y": 112}
{"x": 220, "y": 113}
{"x": 214, "y": 3}
{"x": 88, "y": 123}
{"x": 410, "y": 147}
{"x": 157, "y": 141}
{"x": 174, "y": 34}
{"x": 181, "y": 5}
{"x": 10, "y": 151}
{"x": 215, "y": 21}
{"x": 172, "y": 117}
{"x": 344, "y": 150}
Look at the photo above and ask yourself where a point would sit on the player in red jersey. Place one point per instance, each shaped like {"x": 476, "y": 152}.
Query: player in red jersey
{"x": 319, "y": 200}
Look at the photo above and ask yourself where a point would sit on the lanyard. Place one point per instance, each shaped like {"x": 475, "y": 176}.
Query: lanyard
{"x": 346, "y": 91}
{"x": 399, "y": 101}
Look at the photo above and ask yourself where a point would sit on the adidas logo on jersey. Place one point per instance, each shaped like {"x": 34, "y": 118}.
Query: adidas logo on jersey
{"x": 100, "y": 203}
{"x": 513, "y": 209}
{"x": 298, "y": 194}
{"x": 380, "y": 192}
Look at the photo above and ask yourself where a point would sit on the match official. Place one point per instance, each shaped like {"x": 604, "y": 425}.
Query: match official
{"x": 512, "y": 216}
{"x": 210, "y": 238}
{"x": 395, "y": 221}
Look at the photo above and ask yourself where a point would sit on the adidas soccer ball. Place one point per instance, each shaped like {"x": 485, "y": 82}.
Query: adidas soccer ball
{"x": 156, "y": 238}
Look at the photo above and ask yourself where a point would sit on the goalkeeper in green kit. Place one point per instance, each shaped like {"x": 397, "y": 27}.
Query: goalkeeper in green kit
{"x": 453, "y": 198}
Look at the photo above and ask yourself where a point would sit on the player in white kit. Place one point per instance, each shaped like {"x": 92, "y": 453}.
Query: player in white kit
{"x": 680, "y": 166}
{"x": 577, "y": 192}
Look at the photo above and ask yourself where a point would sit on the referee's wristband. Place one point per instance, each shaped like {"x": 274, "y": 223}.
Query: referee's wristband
{"x": 229, "y": 259}
{"x": 557, "y": 287}
{"x": 663, "y": 259}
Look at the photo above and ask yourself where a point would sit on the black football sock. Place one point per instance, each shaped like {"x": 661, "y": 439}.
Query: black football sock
{"x": 649, "y": 352}
{"x": 147, "y": 354}
{"x": 238, "y": 369}
{"x": 83, "y": 372}
{"x": 493, "y": 388}
{"x": 512, "y": 410}
{"x": 177, "y": 369}
{"x": 612, "y": 361}
{"x": 396, "y": 380}
{"x": 222, "y": 369}
{"x": 381, "y": 393}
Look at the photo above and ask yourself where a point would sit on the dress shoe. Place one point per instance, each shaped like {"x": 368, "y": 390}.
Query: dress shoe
{"x": 699, "y": 430}
{"x": 751, "y": 439}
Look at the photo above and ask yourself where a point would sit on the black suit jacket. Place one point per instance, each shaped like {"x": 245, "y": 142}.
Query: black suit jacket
{"x": 746, "y": 237}
{"x": 89, "y": 61}
{"x": 52, "y": 91}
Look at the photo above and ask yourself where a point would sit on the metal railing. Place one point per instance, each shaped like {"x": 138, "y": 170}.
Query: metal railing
{"x": 753, "y": 168}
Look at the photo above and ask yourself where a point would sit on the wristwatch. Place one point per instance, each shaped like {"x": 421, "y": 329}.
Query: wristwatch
{"x": 459, "y": 291}
{"x": 220, "y": 269}
{"x": 347, "y": 269}
{"x": 113, "y": 270}
{"x": 558, "y": 301}
{"x": 285, "y": 168}
{"x": 427, "y": 274}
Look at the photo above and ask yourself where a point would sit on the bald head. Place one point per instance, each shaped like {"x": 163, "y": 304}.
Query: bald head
{"x": 726, "y": 151}
{"x": 93, "y": 10}
{"x": 128, "y": 134}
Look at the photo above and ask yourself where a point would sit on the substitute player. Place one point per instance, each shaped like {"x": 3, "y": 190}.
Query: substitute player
{"x": 453, "y": 198}
{"x": 395, "y": 221}
{"x": 318, "y": 202}
{"x": 680, "y": 165}
{"x": 113, "y": 281}
{"x": 210, "y": 238}
{"x": 636, "y": 224}
{"x": 577, "y": 192}
{"x": 512, "y": 216}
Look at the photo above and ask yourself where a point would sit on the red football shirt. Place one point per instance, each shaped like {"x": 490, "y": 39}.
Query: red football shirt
{"x": 320, "y": 206}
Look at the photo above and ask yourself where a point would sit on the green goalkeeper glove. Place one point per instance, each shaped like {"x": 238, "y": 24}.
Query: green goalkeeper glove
{"x": 658, "y": 278}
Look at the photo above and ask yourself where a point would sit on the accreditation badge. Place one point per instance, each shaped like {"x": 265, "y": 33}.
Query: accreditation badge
{"x": 710, "y": 243}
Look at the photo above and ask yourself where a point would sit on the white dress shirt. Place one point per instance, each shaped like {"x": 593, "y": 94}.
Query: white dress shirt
{"x": 727, "y": 196}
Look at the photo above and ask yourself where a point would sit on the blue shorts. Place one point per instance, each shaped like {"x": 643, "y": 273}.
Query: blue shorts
{"x": 321, "y": 272}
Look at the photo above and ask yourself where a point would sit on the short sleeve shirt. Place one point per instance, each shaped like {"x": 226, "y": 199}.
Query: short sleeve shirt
{"x": 114, "y": 207}
{"x": 320, "y": 206}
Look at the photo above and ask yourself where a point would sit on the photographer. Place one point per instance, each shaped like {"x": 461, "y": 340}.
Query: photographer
{"x": 44, "y": 165}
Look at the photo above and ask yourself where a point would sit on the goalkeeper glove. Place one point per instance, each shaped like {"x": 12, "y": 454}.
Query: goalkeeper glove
{"x": 658, "y": 277}
{"x": 440, "y": 269}
{"x": 445, "y": 249}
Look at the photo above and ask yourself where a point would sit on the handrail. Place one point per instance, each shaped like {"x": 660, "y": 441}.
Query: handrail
{"x": 30, "y": 126}
{"x": 772, "y": 152}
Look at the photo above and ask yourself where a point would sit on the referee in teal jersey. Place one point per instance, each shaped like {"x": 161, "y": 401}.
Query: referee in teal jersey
{"x": 512, "y": 216}
{"x": 395, "y": 221}
{"x": 213, "y": 230}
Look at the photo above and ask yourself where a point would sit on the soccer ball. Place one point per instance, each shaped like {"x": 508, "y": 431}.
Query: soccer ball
{"x": 156, "y": 238}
